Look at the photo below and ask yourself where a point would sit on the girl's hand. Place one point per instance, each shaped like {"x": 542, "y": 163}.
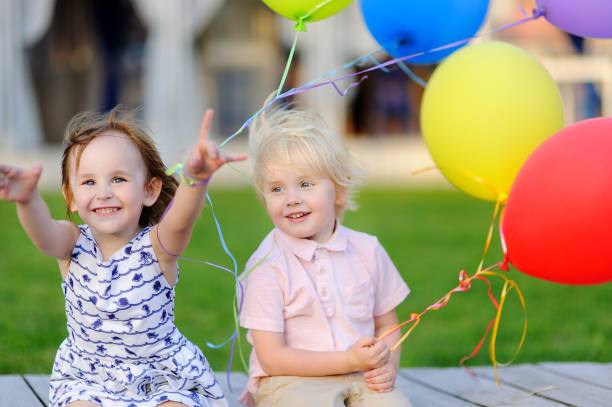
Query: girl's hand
{"x": 206, "y": 158}
{"x": 367, "y": 353}
{"x": 18, "y": 184}
{"x": 381, "y": 379}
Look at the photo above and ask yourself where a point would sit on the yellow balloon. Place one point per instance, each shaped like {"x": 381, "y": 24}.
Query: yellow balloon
{"x": 485, "y": 109}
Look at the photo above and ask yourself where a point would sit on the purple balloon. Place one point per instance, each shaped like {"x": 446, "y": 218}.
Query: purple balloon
{"x": 586, "y": 18}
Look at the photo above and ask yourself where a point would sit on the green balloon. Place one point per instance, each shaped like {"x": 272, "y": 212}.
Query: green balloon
{"x": 304, "y": 11}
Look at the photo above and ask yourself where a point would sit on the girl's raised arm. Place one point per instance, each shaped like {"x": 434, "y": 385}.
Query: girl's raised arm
{"x": 174, "y": 229}
{"x": 52, "y": 237}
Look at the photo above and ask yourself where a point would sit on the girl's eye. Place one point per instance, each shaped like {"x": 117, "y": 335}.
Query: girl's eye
{"x": 89, "y": 182}
{"x": 276, "y": 189}
{"x": 306, "y": 184}
{"x": 118, "y": 179}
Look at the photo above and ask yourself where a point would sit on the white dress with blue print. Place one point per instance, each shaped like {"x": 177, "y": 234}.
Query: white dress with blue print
{"x": 123, "y": 348}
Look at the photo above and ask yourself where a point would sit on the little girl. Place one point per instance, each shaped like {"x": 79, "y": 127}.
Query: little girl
{"x": 119, "y": 268}
{"x": 319, "y": 292}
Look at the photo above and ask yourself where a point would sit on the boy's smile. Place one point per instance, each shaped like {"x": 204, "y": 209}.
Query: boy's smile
{"x": 301, "y": 203}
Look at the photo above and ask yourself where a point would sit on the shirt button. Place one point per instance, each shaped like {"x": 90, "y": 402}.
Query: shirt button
{"x": 324, "y": 292}
{"x": 322, "y": 271}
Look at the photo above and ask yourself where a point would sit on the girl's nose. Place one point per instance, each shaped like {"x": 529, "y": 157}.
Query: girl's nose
{"x": 104, "y": 191}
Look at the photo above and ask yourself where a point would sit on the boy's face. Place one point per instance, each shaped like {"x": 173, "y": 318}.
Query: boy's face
{"x": 109, "y": 186}
{"x": 299, "y": 202}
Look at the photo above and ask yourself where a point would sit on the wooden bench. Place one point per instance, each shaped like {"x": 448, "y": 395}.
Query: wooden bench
{"x": 545, "y": 384}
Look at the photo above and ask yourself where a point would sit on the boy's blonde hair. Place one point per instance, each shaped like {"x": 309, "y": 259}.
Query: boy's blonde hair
{"x": 86, "y": 126}
{"x": 281, "y": 134}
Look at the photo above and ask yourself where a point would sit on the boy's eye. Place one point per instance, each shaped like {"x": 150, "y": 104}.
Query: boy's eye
{"x": 118, "y": 179}
{"x": 306, "y": 184}
{"x": 276, "y": 189}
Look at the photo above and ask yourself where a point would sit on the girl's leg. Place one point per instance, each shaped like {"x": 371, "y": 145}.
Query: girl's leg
{"x": 172, "y": 404}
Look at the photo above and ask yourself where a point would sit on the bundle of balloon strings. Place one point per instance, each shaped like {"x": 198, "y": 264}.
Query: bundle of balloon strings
{"x": 465, "y": 283}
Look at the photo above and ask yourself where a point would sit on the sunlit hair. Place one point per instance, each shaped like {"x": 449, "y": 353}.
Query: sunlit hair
{"x": 86, "y": 126}
{"x": 283, "y": 135}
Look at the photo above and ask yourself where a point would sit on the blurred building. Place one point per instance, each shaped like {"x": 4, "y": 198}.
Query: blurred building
{"x": 173, "y": 58}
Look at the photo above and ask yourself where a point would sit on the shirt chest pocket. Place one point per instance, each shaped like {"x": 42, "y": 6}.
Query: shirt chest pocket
{"x": 359, "y": 301}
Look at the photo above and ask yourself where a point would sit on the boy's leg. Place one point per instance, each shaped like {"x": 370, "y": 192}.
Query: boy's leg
{"x": 362, "y": 396}
{"x": 279, "y": 391}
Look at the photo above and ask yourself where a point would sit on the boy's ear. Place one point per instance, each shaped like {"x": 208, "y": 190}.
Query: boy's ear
{"x": 68, "y": 198}
{"x": 152, "y": 191}
{"x": 341, "y": 196}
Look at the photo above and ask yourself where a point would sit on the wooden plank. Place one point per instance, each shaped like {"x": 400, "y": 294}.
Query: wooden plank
{"x": 40, "y": 384}
{"x": 423, "y": 396}
{"x": 15, "y": 392}
{"x": 531, "y": 378}
{"x": 478, "y": 390}
{"x": 590, "y": 372}
{"x": 238, "y": 381}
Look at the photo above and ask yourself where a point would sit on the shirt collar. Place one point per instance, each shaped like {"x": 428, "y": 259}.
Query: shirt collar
{"x": 305, "y": 248}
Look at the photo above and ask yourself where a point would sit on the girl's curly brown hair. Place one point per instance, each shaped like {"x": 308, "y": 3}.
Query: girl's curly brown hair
{"x": 86, "y": 126}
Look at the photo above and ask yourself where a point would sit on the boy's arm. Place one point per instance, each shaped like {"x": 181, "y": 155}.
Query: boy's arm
{"x": 382, "y": 379}
{"x": 52, "y": 237}
{"x": 174, "y": 229}
{"x": 277, "y": 359}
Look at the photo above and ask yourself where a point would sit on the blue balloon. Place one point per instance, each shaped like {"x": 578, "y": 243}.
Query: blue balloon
{"x": 407, "y": 27}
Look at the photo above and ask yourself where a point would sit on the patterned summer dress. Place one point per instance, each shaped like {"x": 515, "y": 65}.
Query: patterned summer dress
{"x": 122, "y": 347}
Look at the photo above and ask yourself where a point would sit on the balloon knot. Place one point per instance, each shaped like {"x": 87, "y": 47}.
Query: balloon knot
{"x": 538, "y": 12}
{"x": 300, "y": 25}
{"x": 504, "y": 265}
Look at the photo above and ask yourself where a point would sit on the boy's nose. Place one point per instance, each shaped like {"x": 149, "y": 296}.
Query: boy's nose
{"x": 293, "y": 198}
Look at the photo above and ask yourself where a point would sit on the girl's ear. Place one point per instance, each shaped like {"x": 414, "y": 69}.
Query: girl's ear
{"x": 152, "y": 191}
{"x": 69, "y": 198}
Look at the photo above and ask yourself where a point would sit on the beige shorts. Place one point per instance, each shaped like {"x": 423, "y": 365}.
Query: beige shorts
{"x": 348, "y": 390}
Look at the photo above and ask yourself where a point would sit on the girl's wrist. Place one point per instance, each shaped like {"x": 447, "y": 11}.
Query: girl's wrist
{"x": 186, "y": 178}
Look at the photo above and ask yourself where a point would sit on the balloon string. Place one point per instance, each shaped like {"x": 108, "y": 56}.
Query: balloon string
{"x": 300, "y": 24}
{"x": 288, "y": 64}
{"x": 465, "y": 285}
{"x": 358, "y": 62}
{"x": 508, "y": 286}
{"x": 411, "y": 74}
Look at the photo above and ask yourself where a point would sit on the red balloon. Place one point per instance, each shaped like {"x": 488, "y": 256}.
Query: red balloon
{"x": 558, "y": 220}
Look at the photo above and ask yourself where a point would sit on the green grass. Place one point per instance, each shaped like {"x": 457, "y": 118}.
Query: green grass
{"x": 430, "y": 235}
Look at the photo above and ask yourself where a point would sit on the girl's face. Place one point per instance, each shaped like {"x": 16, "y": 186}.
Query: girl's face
{"x": 109, "y": 186}
{"x": 300, "y": 203}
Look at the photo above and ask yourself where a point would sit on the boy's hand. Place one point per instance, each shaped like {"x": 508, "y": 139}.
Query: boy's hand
{"x": 206, "y": 158}
{"x": 367, "y": 353}
{"x": 381, "y": 379}
{"x": 18, "y": 184}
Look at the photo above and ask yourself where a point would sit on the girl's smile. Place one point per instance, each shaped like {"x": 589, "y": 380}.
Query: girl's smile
{"x": 109, "y": 186}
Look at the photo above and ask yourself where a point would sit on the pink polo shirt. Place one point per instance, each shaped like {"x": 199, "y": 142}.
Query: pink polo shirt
{"x": 324, "y": 297}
